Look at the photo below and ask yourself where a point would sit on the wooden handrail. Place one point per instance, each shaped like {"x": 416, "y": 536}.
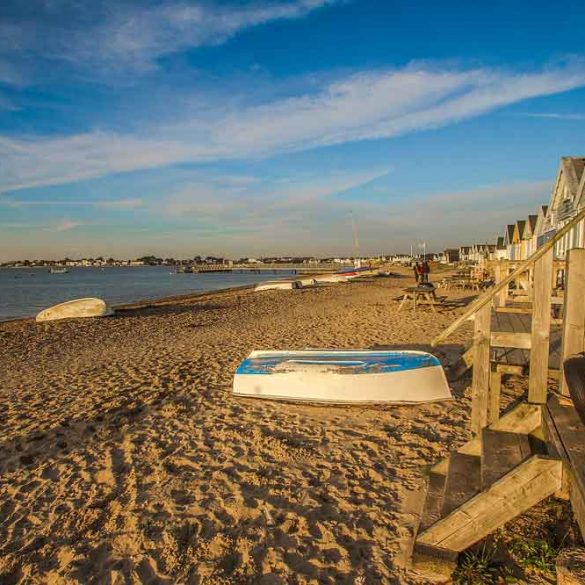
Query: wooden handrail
{"x": 489, "y": 295}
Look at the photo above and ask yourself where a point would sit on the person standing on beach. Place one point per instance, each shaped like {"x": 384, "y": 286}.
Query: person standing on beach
{"x": 415, "y": 268}
{"x": 426, "y": 269}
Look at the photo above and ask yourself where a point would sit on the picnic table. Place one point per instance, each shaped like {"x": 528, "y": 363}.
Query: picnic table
{"x": 421, "y": 295}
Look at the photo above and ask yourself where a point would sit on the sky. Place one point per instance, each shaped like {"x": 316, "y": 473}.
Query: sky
{"x": 248, "y": 128}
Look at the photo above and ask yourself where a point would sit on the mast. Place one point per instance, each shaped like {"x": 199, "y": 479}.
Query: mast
{"x": 356, "y": 243}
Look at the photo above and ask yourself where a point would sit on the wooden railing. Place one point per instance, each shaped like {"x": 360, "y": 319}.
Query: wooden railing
{"x": 486, "y": 383}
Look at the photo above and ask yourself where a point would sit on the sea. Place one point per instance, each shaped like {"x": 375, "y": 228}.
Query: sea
{"x": 26, "y": 291}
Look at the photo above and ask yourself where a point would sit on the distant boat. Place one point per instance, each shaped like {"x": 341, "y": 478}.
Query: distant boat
{"x": 331, "y": 278}
{"x": 278, "y": 285}
{"x": 347, "y": 376}
{"x": 58, "y": 270}
{"x": 76, "y": 309}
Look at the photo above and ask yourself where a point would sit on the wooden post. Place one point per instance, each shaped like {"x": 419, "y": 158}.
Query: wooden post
{"x": 574, "y": 314}
{"x": 540, "y": 336}
{"x": 500, "y": 271}
{"x": 481, "y": 369}
{"x": 495, "y": 391}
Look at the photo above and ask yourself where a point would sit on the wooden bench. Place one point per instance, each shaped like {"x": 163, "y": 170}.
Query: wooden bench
{"x": 421, "y": 295}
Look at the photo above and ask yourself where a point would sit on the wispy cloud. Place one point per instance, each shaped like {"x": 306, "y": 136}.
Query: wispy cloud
{"x": 363, "y": 106}
{"x": 552, "y": 115}
{"x": 112, "y": 204}
{"x": 112, "y": 36}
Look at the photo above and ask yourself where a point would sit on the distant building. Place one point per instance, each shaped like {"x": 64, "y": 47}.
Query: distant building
{"x": 464, "y": 253}
{"x": 567, "y": 199}
{"x": 451, "y": 255}
{"x": 501, "y": 252}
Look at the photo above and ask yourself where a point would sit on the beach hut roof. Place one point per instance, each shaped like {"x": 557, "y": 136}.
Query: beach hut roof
{"x": 531, "y": 225}
{"x": 501, "y": 243}
{"x": 568, "y": 181}
{"x": 518, "y": 231}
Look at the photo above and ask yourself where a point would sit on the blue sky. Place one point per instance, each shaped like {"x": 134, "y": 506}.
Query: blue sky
{"x": 248, "y": 128}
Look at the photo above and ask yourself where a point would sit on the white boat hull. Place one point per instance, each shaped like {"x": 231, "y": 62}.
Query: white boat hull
{"x": 360, "y": 376}
{"x": 278, "y": 285}
{"x": 331, "y": 278}
{"x": 75, "y": 309}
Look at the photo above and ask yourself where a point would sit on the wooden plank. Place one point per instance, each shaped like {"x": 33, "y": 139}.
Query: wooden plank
{"x": 495, "y": 391}
{"x": 563, "y": 419}
{"x": 500, "y": 271}
{"x": 565, "y": 416}
{"x": 481, "y": 370}
{"x": 486, "y": 298}
{"x": 574, "y": 314}
{"x": 525, "y": 486}
{"x": 540, "y": 334}
{"x": 524, "y": 418}
{"x": 463, "y": 481}
{"x": 577, "y": 498}
{"x": 500, "y": 453}
{"x": 435, "y": 496}
{"x": 513, "y": 310}
{"x": 516, "y": 340}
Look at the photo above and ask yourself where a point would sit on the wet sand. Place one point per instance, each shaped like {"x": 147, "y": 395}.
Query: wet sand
{"x": 125, "y": 459}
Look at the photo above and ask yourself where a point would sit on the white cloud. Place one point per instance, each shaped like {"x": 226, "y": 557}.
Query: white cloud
{"x": 364, "y": 106}
{"x": 122, "y": 37}
{"x": 553, "y": 115}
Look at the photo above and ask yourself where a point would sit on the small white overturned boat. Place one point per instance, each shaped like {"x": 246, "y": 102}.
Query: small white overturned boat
{"x": 352, "y": 376}
{"x": 76, "y": 309}
{"x": 305, "y": 282}
{"x": 331, "y": 278}
{"x": 278, "y": 285}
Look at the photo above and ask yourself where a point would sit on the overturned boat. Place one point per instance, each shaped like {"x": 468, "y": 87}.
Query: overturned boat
{"x": 278, "y": 285}
{"x": 326, "y": 278}
{"x": 342, "y": 376}
{"x": 76, "y": 309}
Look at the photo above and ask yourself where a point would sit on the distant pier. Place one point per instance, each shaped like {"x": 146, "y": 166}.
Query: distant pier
{"x": 265, "y": 269}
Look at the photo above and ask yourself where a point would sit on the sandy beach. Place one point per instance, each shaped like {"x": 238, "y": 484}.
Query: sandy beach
{"x": 125, "y": 459}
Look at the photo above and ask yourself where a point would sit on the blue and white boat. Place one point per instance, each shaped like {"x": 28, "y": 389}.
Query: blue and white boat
{"x": 342, "y": 376}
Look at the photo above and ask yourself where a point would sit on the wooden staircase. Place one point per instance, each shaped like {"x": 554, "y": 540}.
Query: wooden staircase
{"x": 505, "y": 469}
{"x": 479, "y": 488}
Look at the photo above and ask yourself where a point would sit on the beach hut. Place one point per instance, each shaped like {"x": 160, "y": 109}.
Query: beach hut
{"x": 501, "y": 252}
{"x": 543, "y": 230}
{"x": 465, "y": 254}
{"x": 508, "y": 237}
{"x": 567, "y": 198}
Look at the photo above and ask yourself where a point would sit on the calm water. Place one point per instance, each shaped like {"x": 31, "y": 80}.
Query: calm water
{"x": 26, "y": 291}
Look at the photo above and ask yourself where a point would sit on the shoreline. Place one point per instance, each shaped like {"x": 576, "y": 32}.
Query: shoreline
{"x": 158, "y": 301}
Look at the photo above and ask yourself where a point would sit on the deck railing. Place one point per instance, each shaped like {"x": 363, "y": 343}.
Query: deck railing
{"x": 539, "y": 271}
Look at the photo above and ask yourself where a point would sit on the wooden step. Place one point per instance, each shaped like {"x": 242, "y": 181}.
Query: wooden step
{"x": 500, "y": 453}
{"x": 463, "y": 481}
{"x": 525, "y": 486}
{"x": 434, "y": 500}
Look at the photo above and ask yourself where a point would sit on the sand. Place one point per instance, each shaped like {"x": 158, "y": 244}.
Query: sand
{"x": 125, "y": 459}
